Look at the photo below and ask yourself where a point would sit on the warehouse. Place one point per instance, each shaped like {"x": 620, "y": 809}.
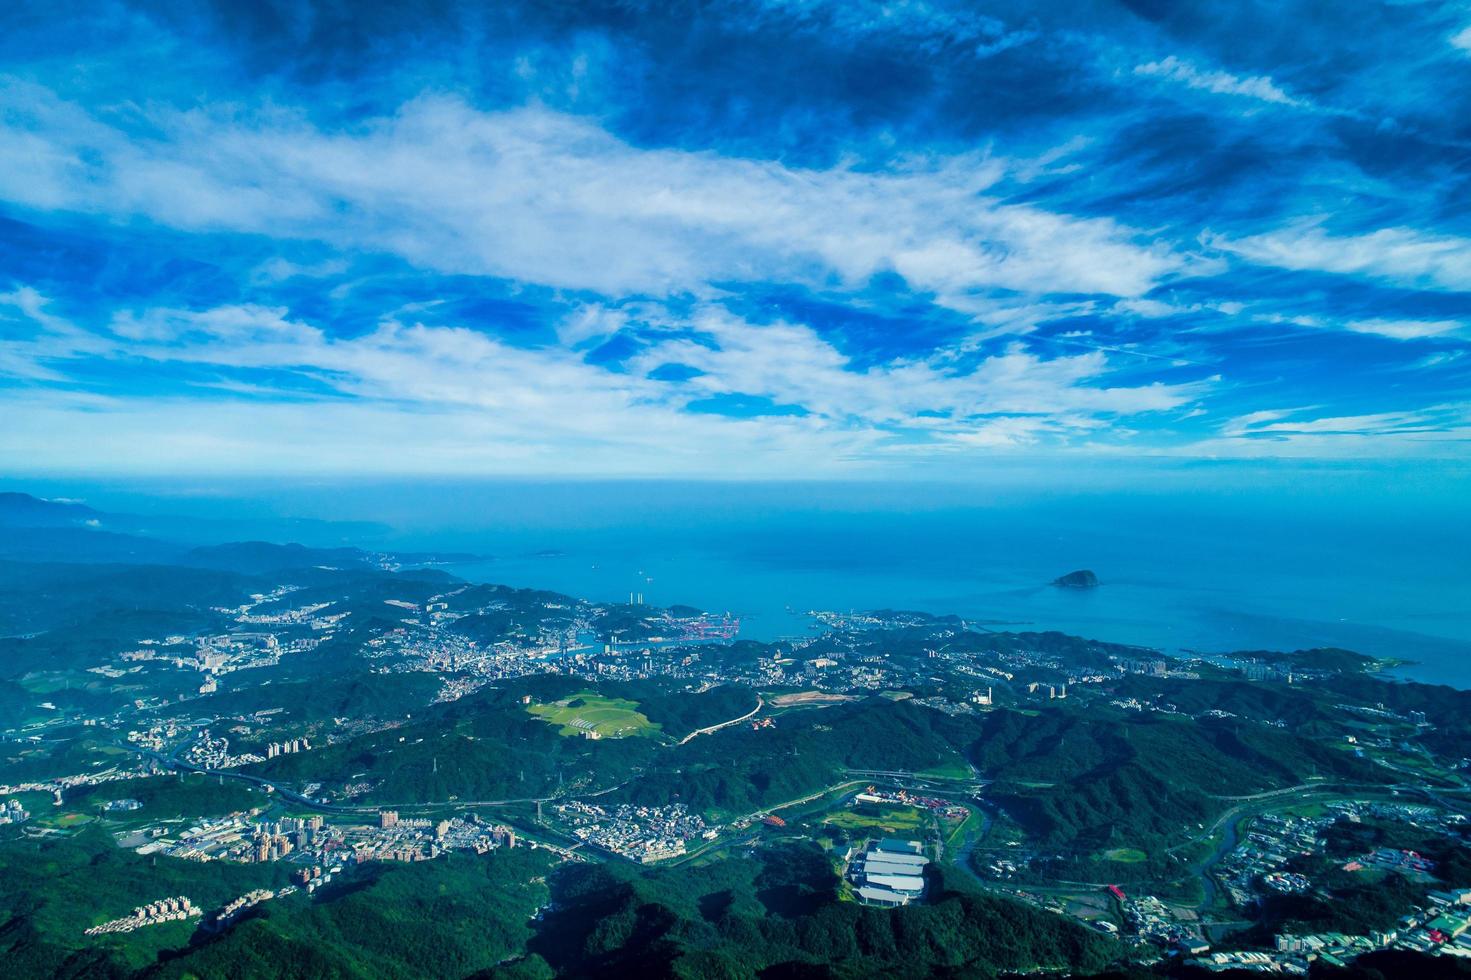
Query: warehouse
{"x": 910, "y": 885}
{"x": 872, "y": 867}
{"x": 881, "y": 898}
{"x": 890, "y": 873}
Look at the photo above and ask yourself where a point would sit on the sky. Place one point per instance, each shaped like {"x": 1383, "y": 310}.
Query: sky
{"x": 751, "y": 238}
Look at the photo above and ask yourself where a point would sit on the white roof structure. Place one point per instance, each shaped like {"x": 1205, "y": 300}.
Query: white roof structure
{"x": 903, "y": 884}
{"x": 888, "y": 857}
{"x": 891, "y": 877}
{"x": 880, "y": 896}
{"x": 872, "y": 868}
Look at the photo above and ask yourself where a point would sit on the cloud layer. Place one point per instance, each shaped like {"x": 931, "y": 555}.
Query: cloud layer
{"x": 784, "y": 238}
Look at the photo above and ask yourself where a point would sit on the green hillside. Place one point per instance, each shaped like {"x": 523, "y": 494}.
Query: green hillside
{"x": 1095, "y": 782}
{"x": 780, "y": 912}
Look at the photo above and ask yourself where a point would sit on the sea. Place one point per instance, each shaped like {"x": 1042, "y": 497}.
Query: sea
{"x": 1171, "y": 578}
{"x": 1188, "y": 566}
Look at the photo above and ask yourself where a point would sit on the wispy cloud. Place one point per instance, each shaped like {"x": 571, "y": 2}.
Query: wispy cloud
{"x": 1283, "y": 423}
{"x": 536, "y": 403}
{"x": 1401, "y": 255}
{"x": 792, "y": 235}
{"x": 1258, "y": 87}
{"x": 790, "y": 363}
{"x": 1436, "y": 430}
{"x": 553, "y": 199}
{"x": 1404, "y": 329}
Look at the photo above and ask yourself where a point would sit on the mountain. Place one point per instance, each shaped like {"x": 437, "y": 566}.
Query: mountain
{"x": 37, "y": 529}
{"x": 24, "y": 510}
{"x": 255, "y": 557}
{"x": 83, "y": 544}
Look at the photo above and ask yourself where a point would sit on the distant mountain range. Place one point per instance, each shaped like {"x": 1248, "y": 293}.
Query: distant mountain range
{"x": 37, "y": 529}
{"x": 23, "y": 510}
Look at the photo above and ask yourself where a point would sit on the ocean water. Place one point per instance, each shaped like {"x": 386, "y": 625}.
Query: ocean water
{"x": 1378, "y": 562}
{"x": 1177, "y": 573}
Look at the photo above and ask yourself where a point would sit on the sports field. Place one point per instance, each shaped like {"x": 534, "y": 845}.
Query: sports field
{"x": 594, "y": 716}
{"x": 894, "y": 820}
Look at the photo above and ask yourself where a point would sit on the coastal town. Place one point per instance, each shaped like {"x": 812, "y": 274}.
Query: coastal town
{"x": 887, "y": 831}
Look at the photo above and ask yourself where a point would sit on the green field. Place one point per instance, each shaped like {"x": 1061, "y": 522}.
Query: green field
{"x": 1307, "y": 810}
{"x": 1125, "y": 855}
{"x": 891, "y": 819}
{"x": 952, "y": 768}
{"x": 587, "y": 713}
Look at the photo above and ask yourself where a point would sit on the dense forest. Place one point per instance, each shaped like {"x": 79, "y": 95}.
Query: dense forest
{"x": 1091, "y": 781}
{"x": 736, "y": 771}
{"x": 777, "y": 915}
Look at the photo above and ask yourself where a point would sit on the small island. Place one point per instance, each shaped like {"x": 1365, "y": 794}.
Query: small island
{"x": 1081, "y": 579}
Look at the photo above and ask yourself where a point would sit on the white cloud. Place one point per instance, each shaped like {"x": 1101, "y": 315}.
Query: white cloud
{"x": 1395, "y": 328}
{"x": 33, "y": 305}
{"x": 1401, "y": 255}
{"x": 543, "y": 197}
{"x": 34, "y": 341}
{"x": 1462, "y": 39}
{"x": 1258, "y": 87}
{"x": 1251, "y": 420}
{"x": 791, "y": 364}
{"x": 1379, "y": 422}
{"x": 470, "y": 402}
{"x": 1434, "y": 431}
{"x": 1404, "y": 329}
{"x": 1438, "y": 358}
{"x": 1298, "y": 423}
{"x": 1151, "y": 308}
{"x": 278, "y": 269}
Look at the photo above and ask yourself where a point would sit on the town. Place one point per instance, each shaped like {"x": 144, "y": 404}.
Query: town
{"x": 887, "y": 830}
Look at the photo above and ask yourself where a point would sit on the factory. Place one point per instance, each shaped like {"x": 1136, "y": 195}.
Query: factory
{"x": 889, "y": 873}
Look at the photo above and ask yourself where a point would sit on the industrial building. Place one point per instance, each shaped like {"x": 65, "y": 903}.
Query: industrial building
{"x": 890, "y": 873}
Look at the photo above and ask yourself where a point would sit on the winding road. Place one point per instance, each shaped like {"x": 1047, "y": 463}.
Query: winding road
{"x": 724, "y": 724}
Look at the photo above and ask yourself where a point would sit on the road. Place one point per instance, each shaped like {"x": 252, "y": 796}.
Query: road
{"x": 1272, "y": 792}
{"x": 756, "y": 815}
{"x": 281, "y": 791}
{"x": 724, "y": 724}
{"x": 971, "y": 784}
{"x": 1242, "y": 802}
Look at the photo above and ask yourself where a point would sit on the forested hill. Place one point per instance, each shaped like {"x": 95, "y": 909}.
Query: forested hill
{"x": 779, "y": 916}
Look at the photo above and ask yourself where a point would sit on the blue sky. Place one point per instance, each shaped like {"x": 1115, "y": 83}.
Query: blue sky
{"x": 746, "y": 238}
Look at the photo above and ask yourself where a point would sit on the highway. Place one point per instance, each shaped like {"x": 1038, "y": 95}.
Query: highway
{"x": 725, "y": 724}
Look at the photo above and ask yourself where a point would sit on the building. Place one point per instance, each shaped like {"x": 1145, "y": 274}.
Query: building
{"x": 874, "y": 866}
{"x": 890, "y": 873}
{"x": 910, "y": 886}
{"x": 891, "y": 846}
{"x": 881, "y": 897}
